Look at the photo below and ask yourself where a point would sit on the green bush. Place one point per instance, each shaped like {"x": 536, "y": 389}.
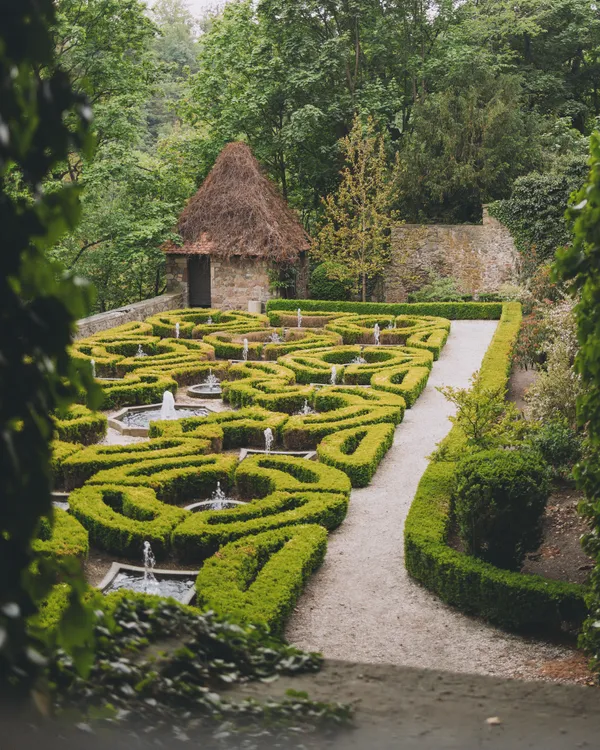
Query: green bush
{"x": 174, "y": 480}
{"x": 408, "y": 382}
{"x": 559, "y": 445}
{"x": 450, "y": 310}
{"x": 441, "y": 289}
{"x": 120, "y": 519}
{"x": 358, "y": 451}
{"x": 60, "y": 452}
{"x": 499, "y": 500}
{"x": 63, "y": 537}
{"x": 259, "y": 579}
{"x": 202, "y": 534}
{"x": 306, "y": 432}
{"x": 136, "y": 390}
{"x": 80, "y": 425}
{"x": 327, "y": 282}
{"x": 261, "y": 475}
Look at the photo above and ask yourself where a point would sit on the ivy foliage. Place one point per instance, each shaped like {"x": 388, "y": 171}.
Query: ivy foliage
{"x": 38, "y": 309}
{"x": 580, "y": 265}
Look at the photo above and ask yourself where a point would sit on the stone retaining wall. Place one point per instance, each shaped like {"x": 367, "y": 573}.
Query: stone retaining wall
{"x": 130, "y": 313}
{"x": 481, "y": 257}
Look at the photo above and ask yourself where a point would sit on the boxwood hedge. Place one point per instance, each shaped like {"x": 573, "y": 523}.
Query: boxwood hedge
{"x": 80, "y": 425}
{"x": 357, "y": 451}
{"x": 450, "y": 310}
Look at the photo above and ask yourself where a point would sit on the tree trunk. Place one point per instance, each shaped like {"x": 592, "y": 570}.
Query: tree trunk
{"x": 364, "y": 287}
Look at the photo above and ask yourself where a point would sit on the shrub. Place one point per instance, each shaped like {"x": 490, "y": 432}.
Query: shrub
{"x": 120, "y": 519}
{"x": 136, "y": 390}
{"x": 559, "y": 445}
{"x": 258, "y": 579}
{"x": 358, "y": 451}
{"x": 450, "y": 310}
{"x": 261, "y": 475}
{"x": 408, "y": 382}
{"x": 64, "y": 536}
{"x": 60, "y": 452}
{"x": 499, "y": 500}
{"x": 80, "y": 425}
{"x": 202, "y": 534}
{"x": 441, "y": 289}
{"x": 329, "y": 281}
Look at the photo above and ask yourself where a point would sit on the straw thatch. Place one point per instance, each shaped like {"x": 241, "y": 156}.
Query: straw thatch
{"x": 238, "y": 211}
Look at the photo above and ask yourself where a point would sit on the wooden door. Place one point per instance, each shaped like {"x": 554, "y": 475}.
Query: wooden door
{"x": 199, "y": 280}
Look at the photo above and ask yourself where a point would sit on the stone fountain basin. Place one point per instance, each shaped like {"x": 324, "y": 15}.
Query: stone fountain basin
{"x": 206, "y": 505}
{"x": 60, "y": 500}
{"x": 309, "y": 455}
{"x": 114, "y": 581}
{"x": 204, "y": 391}
{"x": 117, "y": 423}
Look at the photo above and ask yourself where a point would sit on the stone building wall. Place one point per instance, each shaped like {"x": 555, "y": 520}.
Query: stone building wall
{"x": 480, "y": 256}
{"x": 233, "y": 281}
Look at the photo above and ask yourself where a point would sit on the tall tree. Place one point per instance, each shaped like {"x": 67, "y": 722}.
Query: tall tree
{"x": 355, "y": 233}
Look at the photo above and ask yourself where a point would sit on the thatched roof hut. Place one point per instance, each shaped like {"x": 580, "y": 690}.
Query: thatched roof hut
{"x": 238, "y": 220}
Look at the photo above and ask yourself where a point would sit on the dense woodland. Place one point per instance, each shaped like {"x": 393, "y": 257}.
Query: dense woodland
{"x": 476, "y": 102}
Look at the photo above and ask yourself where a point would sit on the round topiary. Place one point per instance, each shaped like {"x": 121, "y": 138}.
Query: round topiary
{"x": 499, "y": 498}
{"x": 326, "y": 283}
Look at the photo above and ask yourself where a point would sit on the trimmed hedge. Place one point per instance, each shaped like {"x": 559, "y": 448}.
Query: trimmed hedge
{"x": 202, "y": 534}
{"x": 64, "y": 536}
{"x": 512, "y": 600}
{"x": 60, "y": 452}
{"x": 450, "y": 310}
{"x": 309, "y": 319}
{"x": 80, "y": 425}
{"x": 274, "y": 395}
{"x": 175, "y": 479}
{"x": 261, "y": 475}
{"x": 120, "y": 519}
{"x": 136, "y": 390}
{"x": 305, "y": 432}
{"x": 259, "y": 579}
{"x": 240, "y": 429}
{"x": 193, "y": 322}
{"x": 79, "y": 467}
{"x": 408, "y": 382}
{"x": 358, "y": 451}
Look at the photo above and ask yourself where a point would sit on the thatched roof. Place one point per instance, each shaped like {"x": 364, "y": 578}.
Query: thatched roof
{"x": 239, "y": 211}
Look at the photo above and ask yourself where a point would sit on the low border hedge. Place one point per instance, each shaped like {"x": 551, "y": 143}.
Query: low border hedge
{"x": 120, "y": 519}
{"x": 450, "y": 310}
{"x": 408, "y": 382}
{"x": 261, "y": 475}
{"x": 80, "y": 425}
{"x": 64, "y": 536}
{"x": 358, "y": 451}
{"x": 202, "y": 534}
{"x": 259, "y": 579}
{"x": 512, "y": 600}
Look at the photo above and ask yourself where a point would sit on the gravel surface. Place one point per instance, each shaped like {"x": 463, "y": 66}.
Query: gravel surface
{"x": 361, "y": 605}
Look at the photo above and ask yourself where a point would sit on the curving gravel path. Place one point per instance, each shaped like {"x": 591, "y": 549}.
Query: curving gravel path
{"x": 361, "y": 605}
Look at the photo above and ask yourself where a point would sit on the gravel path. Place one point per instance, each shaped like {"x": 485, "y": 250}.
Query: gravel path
{"x": 361, "y": 605}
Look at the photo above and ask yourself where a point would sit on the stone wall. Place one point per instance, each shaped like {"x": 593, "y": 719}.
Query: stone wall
{"x": 480, "y": 256}
{"x": 233, "y": 281}
{"x": 137, "y": 311}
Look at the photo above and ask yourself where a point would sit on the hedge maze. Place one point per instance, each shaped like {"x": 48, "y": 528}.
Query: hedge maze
{"x": 256, "y": 557}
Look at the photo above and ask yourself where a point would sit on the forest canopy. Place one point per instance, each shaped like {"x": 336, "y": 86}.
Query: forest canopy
{"x": 476, "y": 102}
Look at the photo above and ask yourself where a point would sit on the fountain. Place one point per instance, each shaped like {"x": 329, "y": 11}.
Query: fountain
{"x": 167, "y": 410}
{"x": 176, "y": 330}
{"x": 148, "y": 580}
{"x": 299, "y": 318}
{"x": 390, "y": 325}
{"x": 210, "y": 388}
{"x": 269, "y": 439}
{"x": 218, "y": 501}
{"x": 245, "y": 351}
{"x": 306, "y": 409}
{"x": 376, "y": 333}
{"x": 209, "y": 322}
{"x": 140, "y": 352}
{"x": 274, "y": 338}
{"x": 333, "y": 378}
{"x": 93, "y": 366}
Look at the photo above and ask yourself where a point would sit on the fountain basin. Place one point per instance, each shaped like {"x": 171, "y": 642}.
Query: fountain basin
{"x": 309, "y": 455}
{"x": 204, "y": 391}
{"x": 212, "y": 505}
{"x": 178, "y": 584}
{"x": 60, "y": 500}
{"x": 135, "y": 420}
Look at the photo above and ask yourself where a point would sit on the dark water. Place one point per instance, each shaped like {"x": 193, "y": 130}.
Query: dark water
{"x": 178, "y": 588}
{"x": 143, "y": 418}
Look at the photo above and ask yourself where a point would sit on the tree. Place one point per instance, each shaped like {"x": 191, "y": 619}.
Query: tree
{"x": 37, "y": 317}
{"x": 355, "y": 233}
{"x": 579, "y": 264}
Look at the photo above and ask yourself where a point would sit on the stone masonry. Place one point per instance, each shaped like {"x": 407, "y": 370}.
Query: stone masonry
{"x": 480, "y": 257}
